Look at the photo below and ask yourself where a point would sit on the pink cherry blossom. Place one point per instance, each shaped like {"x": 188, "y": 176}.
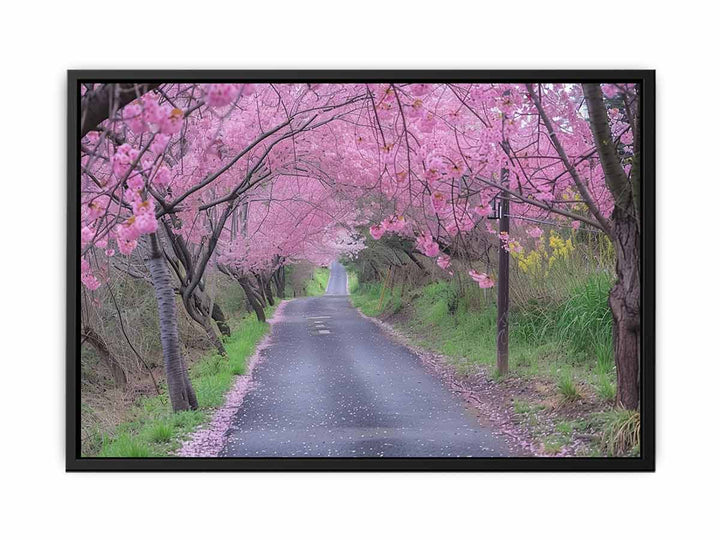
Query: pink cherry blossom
{"x": 427, "y": 246}
{"x": 136, "y": 182}
{"x": 133, "y": 117}
{"x": 483, "y": 280}
{"x": 159, "y": 143}
{"x": 610, "y": 90}
{"x": 172, "y": 123}
{"x": 145, "y": 223}
{"x": 439, "y": 202}
{"x": 90, "y": 281}
{"x": 534, "y": 232}
{"x": 86, "y": 235}
{"x": 219, "y": 95}
{"x": 377, "y": 231}
{"x": 153, "y": 113}
{"x": 122, "y": 159}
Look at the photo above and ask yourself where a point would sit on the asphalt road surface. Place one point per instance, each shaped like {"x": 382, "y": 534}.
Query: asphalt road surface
{"x": 332, "y": 384}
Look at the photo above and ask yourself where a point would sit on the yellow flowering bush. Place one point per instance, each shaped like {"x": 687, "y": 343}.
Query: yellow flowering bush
{"x": 540, "y": 259}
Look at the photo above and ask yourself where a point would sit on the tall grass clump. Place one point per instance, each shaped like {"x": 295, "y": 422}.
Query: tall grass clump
{"x": 619, "y": 431}
{"x": 566, "y": 386}
{"x": 584, "y": 320}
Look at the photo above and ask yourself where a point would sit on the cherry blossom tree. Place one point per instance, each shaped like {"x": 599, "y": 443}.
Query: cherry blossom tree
{"x": 186, "y": 158}
{"x": 246, "y": 178}
{"x": 559, "y": 152}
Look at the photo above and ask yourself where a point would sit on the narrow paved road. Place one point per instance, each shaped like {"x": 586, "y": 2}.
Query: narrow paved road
{"x": 332, "y": 384}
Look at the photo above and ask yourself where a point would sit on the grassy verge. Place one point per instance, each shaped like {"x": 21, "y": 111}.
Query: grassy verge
{"x": 560, "y": 351}
{"x": 156, "y": 431}
{"x": 567, "y": 342}
{"x": 318, "y": 283}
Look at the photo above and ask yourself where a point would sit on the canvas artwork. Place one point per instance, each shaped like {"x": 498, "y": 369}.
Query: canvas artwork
{"x": 348, "y": 270}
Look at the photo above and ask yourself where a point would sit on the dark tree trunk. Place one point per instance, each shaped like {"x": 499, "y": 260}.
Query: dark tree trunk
{"x": 199, "y": 313}
{"x": 278, "y": 281}
{"x": 96, "y": 104}
{"x": 192, "y": 398}
{"x": 268, "y": 290}
{"x": 283, "y": 282}
{"x": 182, "y": 396}
{"x": 252, "y": 299}
{"x": 625, "y": 305}
{"x": 258, "y": 289}
{"x": 219, "y": 317}
{"x": 98, "y": 343}
{"x": 624, "y": 297}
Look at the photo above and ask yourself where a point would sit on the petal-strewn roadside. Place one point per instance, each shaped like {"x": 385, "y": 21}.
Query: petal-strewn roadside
{"x": 210, "y": 440}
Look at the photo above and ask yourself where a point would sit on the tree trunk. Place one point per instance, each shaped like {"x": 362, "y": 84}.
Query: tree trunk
{"x": 625, "y": 305}
{"x": 252, "y": 299}
{"x": 98, "y": 343}
{"x": 192, "y": 398}
{"x": 219, "y": 317}
{"x": 624, "y": 231}
{"x": 96, "y": 104}
{"x": 276, "y": 278}
{"x": 268, "y": 290}
{"x": 182, "y": 396}
{"x": 198, "y": 312}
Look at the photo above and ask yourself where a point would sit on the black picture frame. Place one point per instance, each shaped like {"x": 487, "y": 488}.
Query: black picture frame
{"x": 645, "y": 462}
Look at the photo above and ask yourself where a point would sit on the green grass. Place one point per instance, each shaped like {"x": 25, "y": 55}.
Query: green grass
{"x": 155, "y": 430}
{"x": 565, "y": 341}
{"x": 553, "y": 444}
{"x": 619, "y": 432}
{"x": 521, "y": 406}
{"x": 605, "y": 386}
{"x": 567, "y": 388}
{"x": 318, "y": 284}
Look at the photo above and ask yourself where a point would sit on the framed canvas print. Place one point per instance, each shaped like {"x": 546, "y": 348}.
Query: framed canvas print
{"x": 360, "y": 270}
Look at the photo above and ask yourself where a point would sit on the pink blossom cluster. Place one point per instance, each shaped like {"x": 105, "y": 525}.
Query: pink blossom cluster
{"x": 534, "y": 232}
{"x": 509, "y": 244}
{"x": 122, "y": 159}
{"x": 219, "y": 95}
{"x": 427, "y": 245}
{"x": 377, "y": 231}
{"x": 86, "y": 276}
{"x": 443, "y": 261}
{"x": 483, "y": 280}
{"x": 147, "y": 114}
{"x": 142, "y": 221}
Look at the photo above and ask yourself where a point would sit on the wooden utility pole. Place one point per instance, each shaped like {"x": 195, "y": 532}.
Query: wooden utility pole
{"x": 503, "y": 283}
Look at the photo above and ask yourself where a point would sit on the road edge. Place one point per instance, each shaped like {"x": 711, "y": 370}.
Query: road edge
{"x": 499, "y": 419}
{"x": 211, "y": 437}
